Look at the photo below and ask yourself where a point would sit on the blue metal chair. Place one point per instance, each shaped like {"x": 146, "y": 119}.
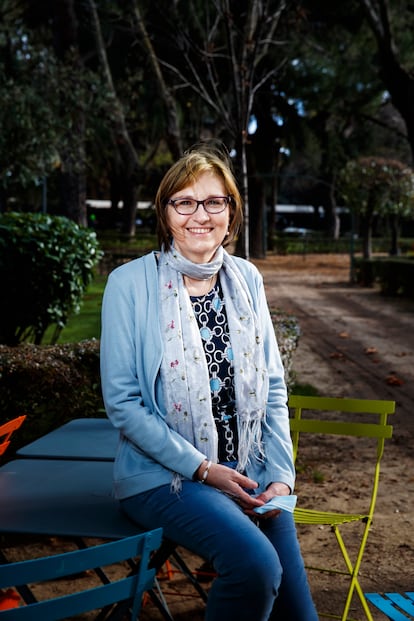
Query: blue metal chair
{"x": 396, "y": 606}
{"x": 126, "y": 592}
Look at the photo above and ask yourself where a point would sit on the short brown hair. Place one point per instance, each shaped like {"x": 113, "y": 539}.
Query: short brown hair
{"x": 198, "y": 159}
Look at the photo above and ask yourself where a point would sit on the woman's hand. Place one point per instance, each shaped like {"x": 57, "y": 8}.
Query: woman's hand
{"x": 232, "y": 483}
{"x": 274, "y": 489}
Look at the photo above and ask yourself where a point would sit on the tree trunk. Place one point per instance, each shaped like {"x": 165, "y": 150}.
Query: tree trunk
{"x": 73, "y": 171}
{"x": 173, "y": 134}
{"x": 128, "y": 156}
{"x": 243, "y": 241}
{"x": 257, "y": 204}
{"x": 397, "y": 80}
{"x": 395, "y": 235}
{"x": 129, "y": 194}
{"x": 3, "y": 200}
{"x": 72, "y": 189}
{"x": 366, "y": 230}
{"x": 263, "y": 154}
{"x": 334, "y": 221}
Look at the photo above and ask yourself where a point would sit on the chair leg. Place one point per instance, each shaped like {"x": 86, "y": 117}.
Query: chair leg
{"x": 353, "y": 570}
{"x": 160, "y": 602}
{"x": 187, "y": 572}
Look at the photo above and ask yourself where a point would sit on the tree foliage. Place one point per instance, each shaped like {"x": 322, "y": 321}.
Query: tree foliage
{"x": 29, "y": 121}
{"x": 112, "y": 92}
{"x": 374, "y": 186}
{"x": 44, "y": 97}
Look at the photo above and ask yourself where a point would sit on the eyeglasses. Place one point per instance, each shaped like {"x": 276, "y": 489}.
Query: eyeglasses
{"x": 188, "y": 206}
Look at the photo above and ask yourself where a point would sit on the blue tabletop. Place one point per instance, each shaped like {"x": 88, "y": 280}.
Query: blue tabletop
{"x": 82, "y": 438}
{"x": 62, "y": 498}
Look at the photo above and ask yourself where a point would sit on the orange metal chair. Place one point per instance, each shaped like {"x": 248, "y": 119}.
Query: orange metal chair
{"x": 6, "y": 431}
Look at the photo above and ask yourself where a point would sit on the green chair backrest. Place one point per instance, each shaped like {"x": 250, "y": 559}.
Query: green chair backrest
{"x": 376, "y": 427}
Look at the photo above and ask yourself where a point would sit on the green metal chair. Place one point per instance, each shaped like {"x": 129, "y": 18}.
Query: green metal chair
{"x": 126, "y": 592}
{"x": 359, "y": 418}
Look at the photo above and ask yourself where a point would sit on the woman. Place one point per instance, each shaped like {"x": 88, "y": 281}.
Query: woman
{"x": 192, "y": 378}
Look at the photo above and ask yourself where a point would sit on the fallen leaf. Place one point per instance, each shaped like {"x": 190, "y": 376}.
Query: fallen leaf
{"x": 370, "y": 350}
{"x": 393, "y": 380}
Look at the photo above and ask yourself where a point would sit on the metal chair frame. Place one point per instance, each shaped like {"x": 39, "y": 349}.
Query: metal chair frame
{"x": 344, "y": 421}
{"x": 396, "y": 606}
{"x": 126, "y": 592}
{"x": 6, "y": 431}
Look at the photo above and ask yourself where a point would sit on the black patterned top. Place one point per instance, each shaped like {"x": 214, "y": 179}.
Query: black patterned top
{"x": 211, "y": 316}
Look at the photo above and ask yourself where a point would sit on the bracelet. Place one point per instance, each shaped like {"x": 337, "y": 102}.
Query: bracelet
{"x": 205, "y": 473}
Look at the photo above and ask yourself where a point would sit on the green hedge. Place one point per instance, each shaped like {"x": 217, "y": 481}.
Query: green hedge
{"x": 395, "y": 275}
{"x": 287, "y": 332}
{"x": 51, "y": 384}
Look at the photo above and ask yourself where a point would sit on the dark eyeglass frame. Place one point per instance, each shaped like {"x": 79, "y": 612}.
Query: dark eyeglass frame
{"x": 173, "y": 201}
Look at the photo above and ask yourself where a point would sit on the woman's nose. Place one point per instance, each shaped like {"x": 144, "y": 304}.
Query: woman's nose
{"x": 201, "y": 215}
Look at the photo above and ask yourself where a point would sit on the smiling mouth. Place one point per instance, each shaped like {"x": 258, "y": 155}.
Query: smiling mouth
{"x": 200, "y": 231}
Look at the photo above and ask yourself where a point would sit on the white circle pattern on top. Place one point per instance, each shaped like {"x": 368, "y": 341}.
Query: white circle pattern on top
{"x": 210, "y": 313}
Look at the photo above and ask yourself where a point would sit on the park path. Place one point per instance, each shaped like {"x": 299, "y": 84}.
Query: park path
{"x": 354, "y": 342}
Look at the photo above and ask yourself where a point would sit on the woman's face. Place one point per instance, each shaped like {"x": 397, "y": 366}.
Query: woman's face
{"x": 197, "y": 236}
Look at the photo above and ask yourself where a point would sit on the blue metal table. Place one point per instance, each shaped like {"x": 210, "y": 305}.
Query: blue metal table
{"x": 72, "y": 498}
{"x": 67, "y": 498}
{"x": 82, "y": 438}
{"x": 61, "y": 497}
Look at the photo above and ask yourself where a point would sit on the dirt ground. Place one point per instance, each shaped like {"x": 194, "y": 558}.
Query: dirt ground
{"x": 353, "y": 343}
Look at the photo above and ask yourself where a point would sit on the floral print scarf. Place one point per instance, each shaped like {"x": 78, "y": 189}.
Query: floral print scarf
{"x": 184, "y": 370}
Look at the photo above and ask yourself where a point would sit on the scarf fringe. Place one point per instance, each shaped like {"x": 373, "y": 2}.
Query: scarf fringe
{"x": 176, "y": 483}
{"x": 250, "y": 441}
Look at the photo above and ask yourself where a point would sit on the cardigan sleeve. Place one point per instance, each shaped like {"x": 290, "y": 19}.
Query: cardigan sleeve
{"x": 130, "y": 358}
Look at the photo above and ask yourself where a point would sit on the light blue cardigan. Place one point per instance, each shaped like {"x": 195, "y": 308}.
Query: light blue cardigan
{"x": 149, "y": 451}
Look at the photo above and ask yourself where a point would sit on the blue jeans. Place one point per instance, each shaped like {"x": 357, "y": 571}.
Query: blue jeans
{"x": 260, "y": 571}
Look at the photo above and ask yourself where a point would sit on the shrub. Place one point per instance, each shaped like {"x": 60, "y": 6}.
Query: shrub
{"x": 46, "y": 263}
{"x": 51, "y": 384}
{"x": 395, "y": 276}
{"x": 287, "y": 332}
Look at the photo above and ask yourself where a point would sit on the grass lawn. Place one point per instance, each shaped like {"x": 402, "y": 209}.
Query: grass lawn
{"x": 87, "y": 323}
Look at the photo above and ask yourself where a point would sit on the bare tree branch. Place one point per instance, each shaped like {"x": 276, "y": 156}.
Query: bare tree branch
{"x": 120, "y": 128}
{"x": 396, "y": 79}
{"x": 173, "y": 129}
{"x": 223, "y": 66}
